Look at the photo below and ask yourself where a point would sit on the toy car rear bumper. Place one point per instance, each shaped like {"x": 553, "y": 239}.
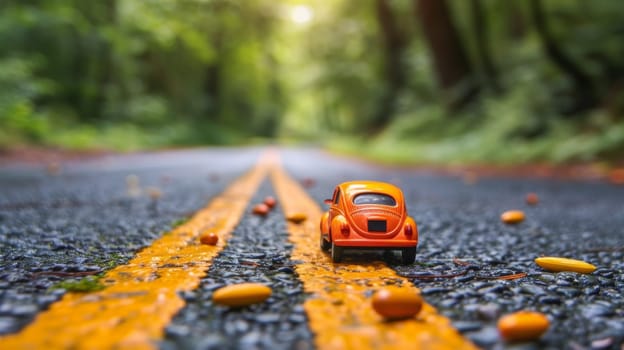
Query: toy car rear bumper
{"x": 375, "y": 243}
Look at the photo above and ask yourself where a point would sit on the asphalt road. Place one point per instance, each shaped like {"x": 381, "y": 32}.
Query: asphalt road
{"x": 90, "y": 216}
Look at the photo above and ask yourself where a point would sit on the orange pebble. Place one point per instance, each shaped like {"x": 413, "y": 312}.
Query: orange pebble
{"x": 270, "y": 201}
{"x": 209, "y": 238}
{"x": 260, "y": 209}
{"x": 242, "y": 294}
{"x": 397, "y": 303}
{"x": 532, "y": 199}
{"x": 523, "y": 326}
{"x": 297, "y": 218}
{"x": 616, "y": 176}
{"x": 512, "y": 216}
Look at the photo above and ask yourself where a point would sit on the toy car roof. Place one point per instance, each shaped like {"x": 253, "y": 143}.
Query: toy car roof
{"x": 352, "y": 188}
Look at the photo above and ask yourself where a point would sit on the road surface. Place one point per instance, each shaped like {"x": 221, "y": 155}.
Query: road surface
{"x": 132, "y": 223}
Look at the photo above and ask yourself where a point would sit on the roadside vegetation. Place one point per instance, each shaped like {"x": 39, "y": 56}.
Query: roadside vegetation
{"x": 82, "y": 285}
{"x": 428, "y": 81}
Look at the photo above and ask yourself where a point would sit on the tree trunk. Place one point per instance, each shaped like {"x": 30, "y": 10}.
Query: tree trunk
{"x": 394, "y": 45}
{"x": 515, "y": 18}
{"x": 584, "y": 92}
{"x": 480, "y": 25}
{"x": 453, "y": 70}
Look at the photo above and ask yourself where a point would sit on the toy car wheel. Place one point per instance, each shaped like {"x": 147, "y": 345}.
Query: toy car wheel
{"x": 408, "y": 255}
{"x": 336, "y": 253}
{"x": 325, "y": 245}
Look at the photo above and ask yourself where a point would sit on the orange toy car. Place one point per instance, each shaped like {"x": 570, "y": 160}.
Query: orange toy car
{"x": 368, "y": 214}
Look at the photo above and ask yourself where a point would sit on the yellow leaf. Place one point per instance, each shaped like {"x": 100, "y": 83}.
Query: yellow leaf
{"x": 556, "y": 264}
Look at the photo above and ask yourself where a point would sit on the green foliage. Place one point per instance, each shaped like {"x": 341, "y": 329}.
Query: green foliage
{"x": 131, "y": 75}
{"x": 83, "y": 285}
{"x": 128, "y": 75}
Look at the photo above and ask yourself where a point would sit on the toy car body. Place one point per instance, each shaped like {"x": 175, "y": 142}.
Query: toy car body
{"x": 368, "y": 214}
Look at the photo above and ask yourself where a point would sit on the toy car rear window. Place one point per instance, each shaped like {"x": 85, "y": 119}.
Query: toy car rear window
{"x": 374, "y": 198}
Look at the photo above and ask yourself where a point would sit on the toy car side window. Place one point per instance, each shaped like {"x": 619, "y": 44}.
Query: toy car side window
{"x": 337, "y": 197}
{"x": 374, "y": 198}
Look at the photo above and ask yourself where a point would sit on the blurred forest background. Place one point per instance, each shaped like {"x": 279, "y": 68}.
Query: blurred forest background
{"x": 401, "y": 80}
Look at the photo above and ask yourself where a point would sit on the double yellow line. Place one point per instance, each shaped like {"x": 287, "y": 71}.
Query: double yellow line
{"x": 141, "y": 296}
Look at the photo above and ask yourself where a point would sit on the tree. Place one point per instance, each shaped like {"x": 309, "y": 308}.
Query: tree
{"x": 453, "y": 69}
{"x": 394, "y": 45}
{"x": 480, "y": 25}
{"x": 583, "y": 87}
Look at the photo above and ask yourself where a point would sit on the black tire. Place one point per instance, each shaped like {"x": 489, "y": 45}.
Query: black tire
{"x": 408, "y": 255}
{"x": 336, "y": 253}
{"x": 325, "y": 245}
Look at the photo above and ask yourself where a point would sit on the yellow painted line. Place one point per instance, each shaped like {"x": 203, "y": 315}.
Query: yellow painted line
{"x": 340, "y": 311}
{"x": 141, "y": 297}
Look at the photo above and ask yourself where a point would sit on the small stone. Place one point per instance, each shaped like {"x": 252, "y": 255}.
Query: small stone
{"x": 241, "y": 326}
{"x": 255, "y": 255}
{"x": 211, "y": 341}
{"x": 268, "y": 318}
{"x": 547, "y": 277}
{"x": 568, "y": 292}
{"x": 448, "y": 303}
{"x": 602, "y": 343}
{"x": 23, "y": 310}
{"x": 593, "y": 290}
{"x": 597, "y": 309}
{"x": 467, "y": 326}
{"x": 189, "y": 296}
{"x": 488, "y": 311}
{"x": 434, "y": 290}
{"x": 286, "y": 269}
{"x": 176, "y": 330}
{"x": 484, "y": 338}
{"x": 251, "y": 339}
{"x": 7, "y": 324}
{"x": 45, "y": 300}
{"x": 532, "y": 289}
{"x": 297, "y": 318}
{"x": 550, "y": 300}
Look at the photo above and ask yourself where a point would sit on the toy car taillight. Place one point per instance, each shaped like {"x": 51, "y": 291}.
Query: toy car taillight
{"x": 408, "y": 230}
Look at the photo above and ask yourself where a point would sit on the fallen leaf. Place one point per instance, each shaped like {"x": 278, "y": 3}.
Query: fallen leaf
{"x": 556, "y": 264}
{"x": 505, "y": 277}
{"x": 460, "y": 263}
{"x": 429, "y": 277}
